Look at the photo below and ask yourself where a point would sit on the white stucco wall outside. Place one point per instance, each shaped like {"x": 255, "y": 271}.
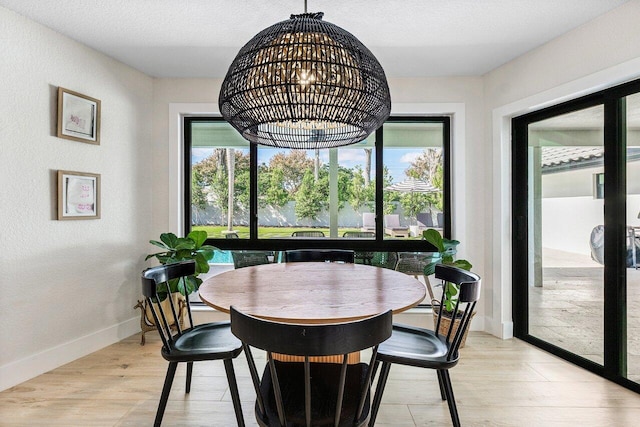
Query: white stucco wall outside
{"x": 68, "y": 287}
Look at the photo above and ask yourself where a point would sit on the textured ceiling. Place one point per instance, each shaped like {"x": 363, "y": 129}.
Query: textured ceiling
{"x": 199, "y": 38}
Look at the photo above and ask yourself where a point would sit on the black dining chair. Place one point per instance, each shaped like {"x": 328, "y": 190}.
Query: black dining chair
{"x": 320, "y": 255}
{"x": 424, "y": 348}
{"x": 309, "y": 392}
{"x": 208, "y": 341}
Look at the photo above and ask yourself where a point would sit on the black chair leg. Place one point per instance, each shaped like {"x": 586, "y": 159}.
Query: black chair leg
{"x": 168, "y": 381}
{"x": 382, "y": 382}
{"x": 375, "y": 370}
{"x": 189, "y": 373}
{"x": 233, "y": 389}
{"x": 441, "y": 384}
{"x": 451, "y": 401}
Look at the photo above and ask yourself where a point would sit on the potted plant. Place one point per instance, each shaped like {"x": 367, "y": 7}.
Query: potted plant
{"x": 176, "y": 249}
{"x": 445, "y": 255}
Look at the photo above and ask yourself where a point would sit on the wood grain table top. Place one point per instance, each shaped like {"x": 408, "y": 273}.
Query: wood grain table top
{"x": 312, "y": 292}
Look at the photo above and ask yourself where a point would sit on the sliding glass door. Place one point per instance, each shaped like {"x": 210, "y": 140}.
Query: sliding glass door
{"x": 632, "y": 159}
{"x": 565, "y": 157}
{"x": 576, "y": 210}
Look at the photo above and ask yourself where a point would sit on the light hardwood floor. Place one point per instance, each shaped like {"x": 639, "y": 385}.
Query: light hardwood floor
{"x": 497, "y": 383}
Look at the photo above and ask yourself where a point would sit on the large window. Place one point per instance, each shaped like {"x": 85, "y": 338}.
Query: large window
{"x": 257, "y": 197}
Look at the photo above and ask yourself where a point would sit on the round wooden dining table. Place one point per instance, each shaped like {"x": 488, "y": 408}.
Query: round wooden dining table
{"x": 312, "y": 292}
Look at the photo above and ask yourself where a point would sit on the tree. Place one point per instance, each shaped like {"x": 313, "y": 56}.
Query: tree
{"x": 428, "y": 167}
{"x": 308, "y": 198}
{"x": 293, "y": 164}
{"x": 198, "y": 196}
{"x": 345, "y": 176}
{"x": 272, "y": 188}
{"x": 211, "y": 178}
{"x": 388, "y": 196}
{"x": 358, "y": 189}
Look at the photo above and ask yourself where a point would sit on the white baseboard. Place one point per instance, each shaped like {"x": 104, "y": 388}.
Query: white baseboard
{"x": 22, "y": 370}
{"x": 502, "y": 330}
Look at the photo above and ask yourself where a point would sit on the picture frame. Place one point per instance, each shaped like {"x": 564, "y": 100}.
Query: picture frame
{"x": 78, "y": 117}
{"x": 78, "y": 195}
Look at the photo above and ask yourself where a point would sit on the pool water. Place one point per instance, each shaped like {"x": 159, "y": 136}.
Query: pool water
{"x": 221, "y": 257}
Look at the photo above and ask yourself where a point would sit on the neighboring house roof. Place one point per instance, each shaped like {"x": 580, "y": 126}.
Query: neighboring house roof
{"x": 556, "y": 159}
{"x": 556, "y": 156}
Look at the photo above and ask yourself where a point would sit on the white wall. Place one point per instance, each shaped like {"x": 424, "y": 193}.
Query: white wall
{"x": 67, "y": 287}
{"x": 599, "y": 54}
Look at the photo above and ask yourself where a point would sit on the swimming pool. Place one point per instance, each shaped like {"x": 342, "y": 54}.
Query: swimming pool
{"x": 221, "y": 257}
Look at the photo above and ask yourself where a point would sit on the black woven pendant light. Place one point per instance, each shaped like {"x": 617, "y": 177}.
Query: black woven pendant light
{"x": 305, "y": 83}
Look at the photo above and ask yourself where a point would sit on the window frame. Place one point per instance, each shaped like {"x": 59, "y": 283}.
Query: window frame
{"x": 379, "y": 244}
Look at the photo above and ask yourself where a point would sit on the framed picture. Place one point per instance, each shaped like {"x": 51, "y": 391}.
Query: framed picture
{"x": 78, "y": 195}
{"x": 78, "y": 117}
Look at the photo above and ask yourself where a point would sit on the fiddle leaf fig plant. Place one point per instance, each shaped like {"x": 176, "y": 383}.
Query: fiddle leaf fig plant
{"x": 176, "y": 249}
{"x": 446, "y": 251}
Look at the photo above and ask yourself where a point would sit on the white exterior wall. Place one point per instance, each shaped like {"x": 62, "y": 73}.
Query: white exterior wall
{"x": 570, "y": 211}
{"x": 68, "y": 287}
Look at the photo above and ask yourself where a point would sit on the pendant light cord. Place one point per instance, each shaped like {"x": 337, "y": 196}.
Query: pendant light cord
{"x": 305, "y": 6}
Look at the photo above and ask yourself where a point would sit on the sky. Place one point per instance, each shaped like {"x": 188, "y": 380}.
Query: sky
{"x": 396, "y": 159}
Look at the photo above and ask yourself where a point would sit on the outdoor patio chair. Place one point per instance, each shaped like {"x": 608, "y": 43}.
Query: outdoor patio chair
{"x": 249, "y": 258}
{"x": 439, "y": 220}
{"x": 309, "y": 393}
{"x": 363, "y": 257}
{"x": 385, "y": 260}
{"x": 359, "y": 234}
{"x": 393, "y": 228}
{"x": 596, "y": 243}
{"x": 368, "y": 221}
{"x": 432, "y": 349}
{"x": 308, "y": 233}
{"x": 319, "y": 255}
{"x": 424, "y": 220}
{"x": 208, "y": 341}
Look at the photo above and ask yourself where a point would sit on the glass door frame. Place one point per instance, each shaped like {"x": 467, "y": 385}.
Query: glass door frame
{"x": 615, "y": 276}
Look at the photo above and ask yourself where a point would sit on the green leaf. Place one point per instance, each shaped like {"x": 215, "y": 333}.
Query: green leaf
{"x": 159, "y": 244}
{"x": 183, "y": 254}
{"x": 155, "y": 255}
{"x": 208, "y": 248}
{"x": 165, "y": 259}
{"x": 193, "y": 283}
{"x": 198, "y": 237}
{"x": 181, "y": 287}
{"x": 206, "y": 253}
{"x": 202, "y": 266}
{"x": 430, "y": 268}
{"x": 169, "y": 239}
{"x": 463, "y": 264}
{"x": 434, "y": 237}
{"x": 450, "y": 245}
{"x": 185, "y": 243}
